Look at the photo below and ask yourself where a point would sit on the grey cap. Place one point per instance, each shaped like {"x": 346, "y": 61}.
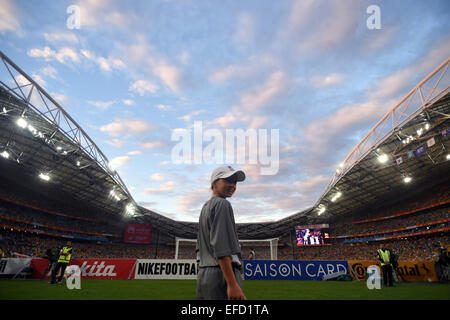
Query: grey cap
{"x": 224, "y": 172}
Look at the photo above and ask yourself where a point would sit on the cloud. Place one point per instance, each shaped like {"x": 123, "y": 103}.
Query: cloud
{"x": 325, "y": 81}
{"x": 163, "y": 188}
{"x": 97, "y": 13}
{"x": 106, "y": 64}
{"x": 157, "y": 177}
{"x": 152, "y": 144}
{"x": 119, "y": 161}
{"x": 188, "y": 117}
{"x": 49, "y": 71}
{"x": 260, "y": 96}
{"x": 104, "y": 105}
{"x": 404, "y": 79}
{"x": 184, "y": 57}
{"x": 226, "y": 121}
{"x": 244, "y": 33}
{"x": 36, "y": 77}
{"x": 134, "y": 153}
{"x": 245, "y": 70}
{"x": 63, "y": 55}
{"x": 60, "y": 98}
{"x": 231, "y": 71}
{"x": 146, "y": 58}
{"x": 163, "y": 107}
{"x": 116, "y": 143}
{"x": 55, "y": 37}
{"x": 337, "y": 130}
{"x": 45, "y": 53}
{"x": 9, "y": 20}
{"x": 128, "y": 102}
{"x": 121, "y": 126}
{"x": 142, "y": 87}
{"x": 335, "y": 28}
{"x": 300, "y": 14}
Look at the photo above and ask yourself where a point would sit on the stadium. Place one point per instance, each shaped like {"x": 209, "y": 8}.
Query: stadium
{"x": 354, "y": 214}
{"x": 57, "y": 185}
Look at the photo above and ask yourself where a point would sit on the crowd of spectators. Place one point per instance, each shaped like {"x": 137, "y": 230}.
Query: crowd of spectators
{"x": 32, "y": 217}
{"x": 431, "y": 198}
{"x": 410, "y": 249}
{"x": 26, "y": 244}
{"x": 405, "y": 221}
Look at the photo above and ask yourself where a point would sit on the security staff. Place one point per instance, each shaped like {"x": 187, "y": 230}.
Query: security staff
{"x": 384, "y": 255}
{"x": 64, "y": 258}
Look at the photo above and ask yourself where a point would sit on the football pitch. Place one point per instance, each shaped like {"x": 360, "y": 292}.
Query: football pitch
{"x": 185, "y": 290}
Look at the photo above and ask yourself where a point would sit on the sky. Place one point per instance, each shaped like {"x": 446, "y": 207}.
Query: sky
{"x": 140, "y": 76}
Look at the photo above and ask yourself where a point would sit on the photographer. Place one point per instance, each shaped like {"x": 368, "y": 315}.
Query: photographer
{"x": 442, "y": 265}
{"x": 52, "y": 256}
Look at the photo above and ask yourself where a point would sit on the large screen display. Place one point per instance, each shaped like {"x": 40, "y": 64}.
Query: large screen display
{"x": 137, "y": 233}
{"x": 307, "y": 236}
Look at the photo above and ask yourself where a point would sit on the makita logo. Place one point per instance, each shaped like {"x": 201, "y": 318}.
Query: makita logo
{"x": 97, "y": 270}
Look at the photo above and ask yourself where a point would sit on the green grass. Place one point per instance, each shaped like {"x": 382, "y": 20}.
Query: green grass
{"x": 185, "y": 290}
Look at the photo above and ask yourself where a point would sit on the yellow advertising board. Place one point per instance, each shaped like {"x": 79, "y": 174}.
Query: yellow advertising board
{"x": 408, "y": 271}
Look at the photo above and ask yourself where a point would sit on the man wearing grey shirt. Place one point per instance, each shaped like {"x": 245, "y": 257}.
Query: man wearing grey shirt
{"x": 220, "y": 272}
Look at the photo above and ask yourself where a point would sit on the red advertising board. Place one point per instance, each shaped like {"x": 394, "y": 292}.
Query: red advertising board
{"x": 137, "y": 233}
{"x": 92, "y": 268}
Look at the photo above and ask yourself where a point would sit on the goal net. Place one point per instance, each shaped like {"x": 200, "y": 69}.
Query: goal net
{"x": 264, "y": 249}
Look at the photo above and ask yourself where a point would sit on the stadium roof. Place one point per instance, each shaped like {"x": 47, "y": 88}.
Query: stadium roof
{"x": 44, "y": 141}
{"x": 406, "y": 151}
{"x": 47, "y": 140}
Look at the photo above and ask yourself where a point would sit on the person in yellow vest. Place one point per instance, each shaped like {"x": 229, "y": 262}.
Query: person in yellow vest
{"x": 64, "y": 258}
{"x": 384, "y": 255}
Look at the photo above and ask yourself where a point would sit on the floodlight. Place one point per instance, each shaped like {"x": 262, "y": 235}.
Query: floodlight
{"x": 114, "y": 195}
{"x": 427, "y": 126}
{"x": 322, "y": 210}
{"x": 336, "y": 196}
{"x": 21, "y": 122}
{"x": 130, "y": 209}
{"x": 44, "y": 176}
{"x": 448, "y": 156}
{"x": 407, "y": 179}
{"x": 5, "y": 154}
{"x": 383, "y": 158}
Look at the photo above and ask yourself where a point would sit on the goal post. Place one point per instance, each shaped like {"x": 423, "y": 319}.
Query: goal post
{"x": 267, "y": 247}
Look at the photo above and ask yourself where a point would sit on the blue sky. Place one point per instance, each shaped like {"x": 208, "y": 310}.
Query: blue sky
{"x": 135, "y": 71}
